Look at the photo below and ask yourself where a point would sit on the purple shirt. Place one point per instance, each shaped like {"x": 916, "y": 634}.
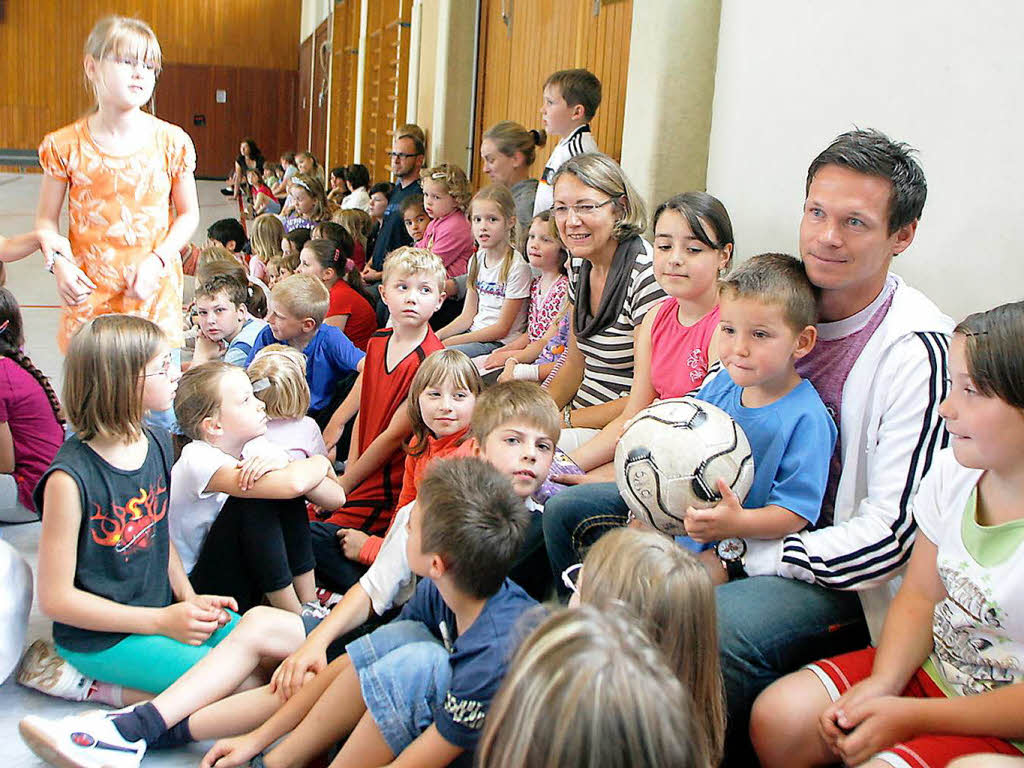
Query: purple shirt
{"x": 36, "y": 433}
{"x": 827, "y": 366}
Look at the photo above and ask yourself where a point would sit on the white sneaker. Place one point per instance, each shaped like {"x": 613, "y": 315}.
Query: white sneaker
{"x": 80, "y": 742}
{"x": 43, "y": 669}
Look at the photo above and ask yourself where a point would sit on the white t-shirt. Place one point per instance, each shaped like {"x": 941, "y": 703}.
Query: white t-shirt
{"x": 576, "y": 143}
{"x": 491, "y": 293}
{"x": 192, "y": 508}
{"x": 389, "y": 582}
{"x": 300, "y": 437}
{"x": 359, "y": 199}
{"x": 978, "y": 629}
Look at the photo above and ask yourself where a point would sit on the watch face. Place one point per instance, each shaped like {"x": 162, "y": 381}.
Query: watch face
{"x": 731, "y": 549}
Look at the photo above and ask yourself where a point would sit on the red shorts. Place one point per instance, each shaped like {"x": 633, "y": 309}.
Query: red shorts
{"x": 840, "y": 673}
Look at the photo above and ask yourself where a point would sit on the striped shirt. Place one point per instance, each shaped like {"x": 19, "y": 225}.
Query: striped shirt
{"x": 608, "y": 355}
{"x": 576, "y": 143}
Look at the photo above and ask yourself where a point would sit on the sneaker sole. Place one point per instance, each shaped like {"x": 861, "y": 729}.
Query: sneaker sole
{"x": 41, "y": 743}
{"x": 39, "y": 669}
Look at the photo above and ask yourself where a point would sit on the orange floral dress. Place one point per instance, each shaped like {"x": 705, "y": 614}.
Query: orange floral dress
{"x": 119, "y": 210}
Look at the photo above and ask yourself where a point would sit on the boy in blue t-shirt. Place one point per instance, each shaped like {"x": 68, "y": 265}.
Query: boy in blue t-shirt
{"x": 421, "y": 686}
{"x": 766, "y": 323}
{"x": 298, "y": 305}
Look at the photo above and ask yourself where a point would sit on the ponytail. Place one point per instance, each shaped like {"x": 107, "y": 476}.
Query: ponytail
{"x": 12, "y": 338}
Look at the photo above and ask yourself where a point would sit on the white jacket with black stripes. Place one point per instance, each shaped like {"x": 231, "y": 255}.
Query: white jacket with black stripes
{"x": 890, "y": 433}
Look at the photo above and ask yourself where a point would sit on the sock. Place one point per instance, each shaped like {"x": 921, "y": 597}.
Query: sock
{"x": 106, "y": 693}
{"x": 144, "y": 722}
{"x": 175, "y": 736}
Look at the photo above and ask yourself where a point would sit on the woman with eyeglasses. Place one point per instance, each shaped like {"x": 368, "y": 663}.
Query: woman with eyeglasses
{"x": 600, "y": 218}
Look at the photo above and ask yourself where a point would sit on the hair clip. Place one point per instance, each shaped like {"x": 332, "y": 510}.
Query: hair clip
{"x": 3, "y": 325}
{"x": 301, "y": 183}
{"x": 260, "y": 384}
{"x": 349, "y": 265}
{"x": 968, "y": 334}
{"x": 439, "y": 175}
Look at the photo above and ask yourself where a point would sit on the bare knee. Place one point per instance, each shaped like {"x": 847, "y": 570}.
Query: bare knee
{"x": 269, "y": 631}
{"x": 784, "y": 722}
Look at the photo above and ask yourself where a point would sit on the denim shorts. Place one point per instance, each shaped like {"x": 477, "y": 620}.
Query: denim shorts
{"x": 404, "y": 673}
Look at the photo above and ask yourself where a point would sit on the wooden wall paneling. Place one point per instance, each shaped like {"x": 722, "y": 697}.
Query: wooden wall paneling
{"x": 41, "y": 65}
{"x": 320, "y": 100}
{"x": 386, "y": 81}
{"x": 546, "y": 37}
{"x": 344, "y": 78}
{"x": 260, "y": 103}
{"x": 305, "y": 95}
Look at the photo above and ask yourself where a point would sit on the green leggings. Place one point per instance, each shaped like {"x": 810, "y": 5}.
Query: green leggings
{"x": 144, "y": 662}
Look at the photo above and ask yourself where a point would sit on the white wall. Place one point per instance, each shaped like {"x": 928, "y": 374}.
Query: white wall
{"x": 944, "y": 76}
{"x": 313, "y": 12}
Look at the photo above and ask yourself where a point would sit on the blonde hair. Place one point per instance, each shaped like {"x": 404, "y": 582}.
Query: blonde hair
{"x": 410, "y": 261}
{"x": 444, "y": 365}
{"x": 302, "y": 296}
{"x": 265, "y": 237}
{"x": 199, "y": 396}
{"x": 356, "y": 222}
{"x": 211, "y": 254}
{"x": 453, "y": 179}
{"x": 103, "y": 376}
{"x": 500, "y": 195}
{"x": 510, "y": 137}
{"x": 671, "y": 593}
{"x": 510, "y": 401}
{"x": 122, "y": 36}
{"x": 315, "y": 189}
{"x": 600, "y": 172}
{"x": 586, "y": 689}
{"x": 284, "y": 369}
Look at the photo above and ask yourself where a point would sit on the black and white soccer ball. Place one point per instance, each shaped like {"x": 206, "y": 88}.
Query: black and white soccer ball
{"x": 670, "y": 457}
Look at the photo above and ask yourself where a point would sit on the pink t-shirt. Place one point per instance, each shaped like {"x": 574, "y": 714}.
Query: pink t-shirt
{"x": 545, "y": 306}
{"x": 828, "y": 365}
{"x": 679, "y": 353}
{"x": 36, "y": 433}
{"x": 451, "y": 238}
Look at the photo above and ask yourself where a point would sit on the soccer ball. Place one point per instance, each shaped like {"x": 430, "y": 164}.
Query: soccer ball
{"x": 670, "y": 457}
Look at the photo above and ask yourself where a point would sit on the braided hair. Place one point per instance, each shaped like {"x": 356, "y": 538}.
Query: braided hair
{"x": 12, "y": 338}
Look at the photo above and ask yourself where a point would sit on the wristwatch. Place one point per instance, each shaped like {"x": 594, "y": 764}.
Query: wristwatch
{"x": 731, "y": 552}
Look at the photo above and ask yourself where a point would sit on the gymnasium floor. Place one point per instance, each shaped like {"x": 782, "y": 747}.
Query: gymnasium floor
{"x": 34, "y": 289}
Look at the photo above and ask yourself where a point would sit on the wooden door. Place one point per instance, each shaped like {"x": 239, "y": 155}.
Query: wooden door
{"x": 320, "y": 99}
{"x": 305, "y": 99}
{"x": 257, "y": 102}
{"x": 344, "y": 79}
{"x": 524, "y": 41}
{"x": 386, "y": 79}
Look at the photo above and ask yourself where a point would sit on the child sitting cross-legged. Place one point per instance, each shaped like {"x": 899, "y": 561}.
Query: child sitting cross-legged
{"x": 515, "y": 428}
{"x": 298, "y": 305}
{"x": 946, "y": 678}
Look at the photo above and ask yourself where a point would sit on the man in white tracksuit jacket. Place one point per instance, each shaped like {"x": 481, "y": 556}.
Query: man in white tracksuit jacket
{"x": 822, "y": 592}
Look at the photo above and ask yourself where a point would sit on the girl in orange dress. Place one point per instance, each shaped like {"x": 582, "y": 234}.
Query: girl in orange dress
{"x": 132, "y": 201}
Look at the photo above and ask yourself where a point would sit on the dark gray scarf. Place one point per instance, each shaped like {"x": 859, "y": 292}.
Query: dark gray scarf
{"x": 615, "y": 288}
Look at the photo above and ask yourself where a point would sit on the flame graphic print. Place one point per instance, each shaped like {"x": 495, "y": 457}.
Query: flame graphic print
{"x": 131, "y": 526}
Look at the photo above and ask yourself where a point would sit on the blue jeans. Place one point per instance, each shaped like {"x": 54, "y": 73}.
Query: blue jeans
{"x": 476, "y": 348}
{"x": 576, "y": 518}
{"x": 769, "y": 626}
{"x": 404, "y": 673}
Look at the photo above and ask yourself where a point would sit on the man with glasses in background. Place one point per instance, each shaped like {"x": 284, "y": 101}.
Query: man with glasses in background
{"x": 407, "y": 156}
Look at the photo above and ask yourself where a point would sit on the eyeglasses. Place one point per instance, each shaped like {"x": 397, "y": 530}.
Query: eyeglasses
{"x": 165, "y": 369}
{"x": 396, "y": 155}
{"x": 570, "y": 576}
{"x": 583, "y": 210}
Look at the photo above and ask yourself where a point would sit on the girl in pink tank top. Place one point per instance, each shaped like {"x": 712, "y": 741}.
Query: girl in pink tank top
{"x": 677, "y": 340}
